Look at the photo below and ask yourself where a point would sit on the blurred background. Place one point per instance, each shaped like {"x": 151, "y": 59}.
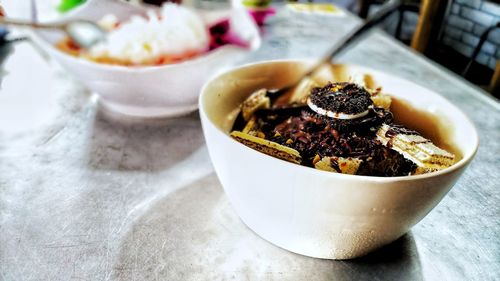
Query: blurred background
{"x": 461, "y": 35}
{"x": 464, "y": 35}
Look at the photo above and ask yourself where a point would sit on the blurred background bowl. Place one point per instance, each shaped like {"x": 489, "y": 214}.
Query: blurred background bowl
{"x": 148, "y": 91}
{"x": 323, "y": 214}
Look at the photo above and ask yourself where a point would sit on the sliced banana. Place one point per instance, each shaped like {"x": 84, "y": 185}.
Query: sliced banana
{"x": 382, "y": 100}
{"x": 257, "y": 100}
{"x": 268, "y": 147}
{"x": 379, "y": 99}
{"x": 342, "y": 165}
{"x": 252, "y": 128}
{"x": 418, "y": 149}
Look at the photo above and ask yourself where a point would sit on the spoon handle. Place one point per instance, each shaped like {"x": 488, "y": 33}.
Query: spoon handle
{"x": 378, "y": 17}
{"x": 5, "y": 21}
{"x": 382, "y": 14}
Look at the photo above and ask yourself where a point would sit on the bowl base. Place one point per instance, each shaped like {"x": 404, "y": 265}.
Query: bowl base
{"x": 332, "y": 249}
{"x": 145, "y": 112}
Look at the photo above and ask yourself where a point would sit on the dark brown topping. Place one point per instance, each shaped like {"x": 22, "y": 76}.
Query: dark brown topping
{"x": 385, "y": 162}
{"x": 335, "y": 164}
{"x": 395, "y": 130}
{"x": 347, "y": 98}
{"x": 316, "y": 136}
{"x": 312, "y": 134}
{"x": 370, "y": 122}
{"x": 283, "y": 111}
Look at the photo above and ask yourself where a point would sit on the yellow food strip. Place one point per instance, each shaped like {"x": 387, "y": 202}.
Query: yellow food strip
{"x": 268, "y": 147}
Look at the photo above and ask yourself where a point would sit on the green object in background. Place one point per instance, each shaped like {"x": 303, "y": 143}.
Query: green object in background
{"x": 67, "y": 5}
{"x": 256, "y": 3}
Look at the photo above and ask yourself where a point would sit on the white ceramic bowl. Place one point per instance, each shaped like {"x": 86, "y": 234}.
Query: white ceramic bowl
{"x": 323, "y": 214}
{"x": 153, "y": 91}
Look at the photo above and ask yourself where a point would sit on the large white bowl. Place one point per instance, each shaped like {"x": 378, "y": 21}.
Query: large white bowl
{"x": 323, "y": 214}
{"x": 153, "y": 91}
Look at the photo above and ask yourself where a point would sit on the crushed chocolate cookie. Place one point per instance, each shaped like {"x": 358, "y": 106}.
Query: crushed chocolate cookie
{"x": 353, "y": 143}
{"x": 347, "y": 98}
{"x": 399, "y": 129}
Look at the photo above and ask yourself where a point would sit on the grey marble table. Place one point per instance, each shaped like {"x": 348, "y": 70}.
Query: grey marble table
{"x": 87, "y": 195}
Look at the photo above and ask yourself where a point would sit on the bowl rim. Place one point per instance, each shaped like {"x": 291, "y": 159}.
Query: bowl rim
{"x": 462, "y": 163}
{"x": 140, "y": 68}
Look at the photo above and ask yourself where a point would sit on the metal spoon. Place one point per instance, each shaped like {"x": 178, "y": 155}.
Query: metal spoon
{"x": 83, "y": 32}
{"x": 383, "y": 13}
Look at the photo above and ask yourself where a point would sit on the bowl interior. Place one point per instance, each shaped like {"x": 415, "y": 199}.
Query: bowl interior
{"x": 414, "y": 106}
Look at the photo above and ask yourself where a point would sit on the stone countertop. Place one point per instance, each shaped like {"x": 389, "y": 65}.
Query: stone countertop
{"x": 88, "y": 195}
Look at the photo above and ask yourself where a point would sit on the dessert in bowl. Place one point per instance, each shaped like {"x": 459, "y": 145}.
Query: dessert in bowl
{"x": 326, "y": 213}
{"x": 165, "y": 35}
{"x": 151, "y": 76}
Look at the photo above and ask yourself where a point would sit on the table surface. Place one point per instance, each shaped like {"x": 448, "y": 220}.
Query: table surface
{"x": 86, "y": 195}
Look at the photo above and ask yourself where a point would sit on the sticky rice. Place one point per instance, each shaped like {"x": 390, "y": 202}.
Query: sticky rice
{"x": 170, "y": 35}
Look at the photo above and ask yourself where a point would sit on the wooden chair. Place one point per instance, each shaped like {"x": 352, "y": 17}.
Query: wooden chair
{"x": 430, "y": 21}
{"x": 431, "y": 17}
{"x": 495, "y": 82}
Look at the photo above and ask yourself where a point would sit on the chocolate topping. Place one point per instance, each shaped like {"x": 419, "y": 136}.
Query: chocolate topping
{"x": 312, "y": 134}
{"x": 316, "y": 136}
{"x": 385, "y": 162}
{"x": 347, "y": 98}
{"x": 335, "y": 164}
{"x": 398, "y": 129}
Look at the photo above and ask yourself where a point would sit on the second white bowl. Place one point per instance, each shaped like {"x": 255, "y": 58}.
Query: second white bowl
{"x": 150, "y": 91}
